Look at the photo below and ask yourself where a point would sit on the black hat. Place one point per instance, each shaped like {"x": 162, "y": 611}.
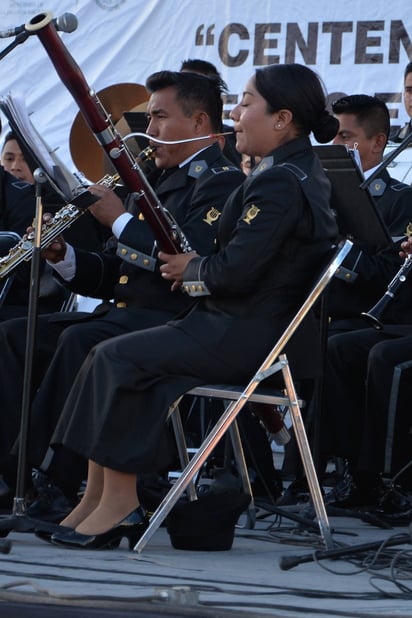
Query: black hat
{"x": 206, "y": 524}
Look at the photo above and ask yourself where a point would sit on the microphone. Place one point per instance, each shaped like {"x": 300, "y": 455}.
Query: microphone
{"x": 65, "y": 23}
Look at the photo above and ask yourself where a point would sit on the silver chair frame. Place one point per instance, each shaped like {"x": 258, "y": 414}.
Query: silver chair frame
{"x": 227, "y": 393}
{"x": 268, "y": 367}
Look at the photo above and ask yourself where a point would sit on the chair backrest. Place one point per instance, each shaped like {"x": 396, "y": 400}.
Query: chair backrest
{"x": 7, "y": 241}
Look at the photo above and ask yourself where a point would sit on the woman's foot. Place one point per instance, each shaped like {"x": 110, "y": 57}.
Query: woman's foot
{"x": 131, "y": 527}
{"x": 105, "y": 516}
{"x": 80, "y": 513}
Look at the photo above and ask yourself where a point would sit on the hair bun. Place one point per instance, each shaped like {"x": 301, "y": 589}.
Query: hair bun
{"x": 326, "y": 127}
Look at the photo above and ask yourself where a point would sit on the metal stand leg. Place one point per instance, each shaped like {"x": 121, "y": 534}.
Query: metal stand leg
{"x": 239, "y": 456}
{"x": 174, "y": 415}
{"x": 306, "y": 456}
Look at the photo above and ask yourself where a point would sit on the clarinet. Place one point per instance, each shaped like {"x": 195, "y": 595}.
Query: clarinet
{"x": 169, "y": 237}
{"x": 374, "y": 315}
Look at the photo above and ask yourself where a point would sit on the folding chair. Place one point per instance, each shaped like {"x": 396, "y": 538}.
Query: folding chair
{"x": 227, "y": 393}
{"x": 7, "y": 241}
{"x": 268, "y": 368}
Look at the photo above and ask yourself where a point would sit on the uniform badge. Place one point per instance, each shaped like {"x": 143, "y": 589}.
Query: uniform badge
{"x": 378, "y": 187}
{"x": 251, "y": 214}
{"x": 263, "y": 165}
{"x": 197, "y": 168}
{"x": 212, "y": 215}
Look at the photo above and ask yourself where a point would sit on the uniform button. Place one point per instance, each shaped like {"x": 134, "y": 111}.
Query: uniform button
{"x": 124, "y": 251}
{"x": 123, "y": 279}
{"x": 121, "y": 305}
{"x": 133, "y": 256}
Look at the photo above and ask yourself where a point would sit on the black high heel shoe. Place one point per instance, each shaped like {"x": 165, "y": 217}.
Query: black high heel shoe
{"x": 132, "y": 527}
{"x": 45, "y": 535}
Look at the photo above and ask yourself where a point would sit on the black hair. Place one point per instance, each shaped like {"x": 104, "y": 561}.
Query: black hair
{"x": 371, "y": 113}
{"x": 408, "y": 69}
{"x": 299, "y": 89}
{"x": 203, "y": 67}
{"x": 9, "y": 136}
{"x": 193, "y": 91}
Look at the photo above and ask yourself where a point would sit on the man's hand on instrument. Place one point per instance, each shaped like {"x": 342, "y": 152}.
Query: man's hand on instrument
{"x": 54, "y": 252}
{"x": 174, "y": 266}
{"x": 108, "y": 207}
{"x": 406, "y": 247}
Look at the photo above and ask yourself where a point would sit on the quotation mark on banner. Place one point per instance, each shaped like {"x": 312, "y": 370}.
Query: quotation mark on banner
{"x": 200, "y": 36}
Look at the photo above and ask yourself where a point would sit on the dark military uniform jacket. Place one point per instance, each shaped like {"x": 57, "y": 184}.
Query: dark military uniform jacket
{"x": 365, "y": 275}
{"x": 17, "y": 211}
{"x": 397, "y": 136}
{"x": 281, "y": 228}
{"x": 128, "y": 271}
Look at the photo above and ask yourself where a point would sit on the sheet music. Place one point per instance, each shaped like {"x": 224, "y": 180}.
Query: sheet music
{"x": 62, "y": 180}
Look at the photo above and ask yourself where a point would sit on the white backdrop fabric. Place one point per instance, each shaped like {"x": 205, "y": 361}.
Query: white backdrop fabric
{"x": 355, "y": 46}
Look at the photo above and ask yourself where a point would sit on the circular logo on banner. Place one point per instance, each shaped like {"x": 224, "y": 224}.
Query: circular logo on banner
{"x": 109, "y": 5}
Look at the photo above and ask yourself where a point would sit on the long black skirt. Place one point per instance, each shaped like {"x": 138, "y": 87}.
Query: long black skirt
{"x": 119, "y": 402}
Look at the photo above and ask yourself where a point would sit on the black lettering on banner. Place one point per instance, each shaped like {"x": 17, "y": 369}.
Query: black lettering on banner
{"x": 336, "y": 29}
{"x": 262, "y": 43}
{"x": 294, "y": 38}
{"x": 364, "y": 42}
{"x": 369, "y": 48}
{"x": 228, "y": 31}
{"x": 398, "y": 34}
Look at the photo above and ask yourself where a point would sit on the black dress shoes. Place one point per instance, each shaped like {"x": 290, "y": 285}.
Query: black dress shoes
{"x": 131, "y": 527}
{"x": 395, "y": 507}
{"x": 350, "y": 494}
{"x": 50, "y": 504}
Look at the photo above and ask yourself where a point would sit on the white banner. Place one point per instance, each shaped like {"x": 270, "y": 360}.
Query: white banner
{"x": 355, "y": 46}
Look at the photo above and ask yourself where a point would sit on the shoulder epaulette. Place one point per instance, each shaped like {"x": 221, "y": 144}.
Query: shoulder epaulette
{"x": 224, "y": 168}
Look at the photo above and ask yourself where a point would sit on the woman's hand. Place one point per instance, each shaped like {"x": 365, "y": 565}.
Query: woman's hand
{"x": 174, "y": 266}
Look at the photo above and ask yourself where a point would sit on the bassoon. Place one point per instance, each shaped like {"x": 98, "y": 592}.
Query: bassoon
{"x": 169, "y": 237}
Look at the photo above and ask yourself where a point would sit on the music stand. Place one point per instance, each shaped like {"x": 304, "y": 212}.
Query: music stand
{"x": 356, "y": 211}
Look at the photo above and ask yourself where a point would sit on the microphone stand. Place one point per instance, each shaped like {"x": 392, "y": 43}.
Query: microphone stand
{"x": 20, "y": 38}
{"x": 19, "y": 521}
{"x": 288, "y": 562}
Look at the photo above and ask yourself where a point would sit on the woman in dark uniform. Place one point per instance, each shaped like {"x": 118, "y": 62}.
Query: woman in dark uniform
{"x": 274, "y": 234}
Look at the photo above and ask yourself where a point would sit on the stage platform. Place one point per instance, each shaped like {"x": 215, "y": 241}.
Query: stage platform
{"x": 41, "y": 580}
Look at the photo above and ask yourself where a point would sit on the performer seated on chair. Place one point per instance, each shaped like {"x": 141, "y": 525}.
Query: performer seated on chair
{"x": 364, "y": 123}
{"x": 194, "y": 185}
{"x": 17, "y": 210}
{"x": 363, "y": 408}
{"x": 273, "y": 238}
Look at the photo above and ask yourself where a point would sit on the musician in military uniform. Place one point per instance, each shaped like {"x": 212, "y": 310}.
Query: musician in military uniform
{"x": 193, "y": 181}
{"x": 17, "y": 211}
{"x": 364, "y": 124}
{"x": 398, "y": 135}
{"x": 274, "y": 235}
